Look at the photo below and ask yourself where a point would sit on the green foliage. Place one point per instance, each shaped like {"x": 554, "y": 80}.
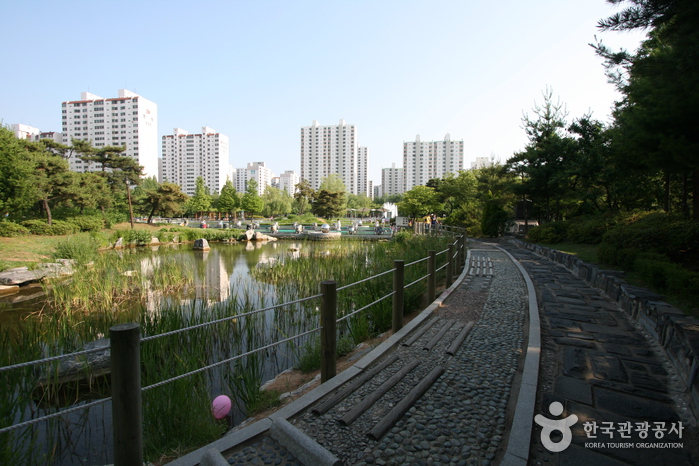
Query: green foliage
{"x": 310, "y": 356}
{"x": 420, "y": 201}
{"x": 551, "y": 233}
{"x": 494, "y": 221}
{"x": 589, "y": 229}
{"x": 345, "y": 345}
{"x": 329, "y": 204}
{"x": 12, "y": 229}
{"x": 57, "y": 228}
{"x": 87, "y": 223}
{"x": 402, "y": 237}
{"x": 82, "y": 248}
{"x": 667, "y": 234}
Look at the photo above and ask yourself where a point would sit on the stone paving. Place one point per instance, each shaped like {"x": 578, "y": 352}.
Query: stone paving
{"x": 603, "y": 369}
{"x": 628, "y": 404}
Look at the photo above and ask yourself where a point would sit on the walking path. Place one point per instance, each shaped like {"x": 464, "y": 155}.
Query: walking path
{"x": 594, "y": 362}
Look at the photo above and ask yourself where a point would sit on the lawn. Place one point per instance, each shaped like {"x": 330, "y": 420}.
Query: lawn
{"x": 31, "y": 249}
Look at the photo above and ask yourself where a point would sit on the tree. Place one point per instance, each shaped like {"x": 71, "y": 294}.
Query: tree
{"x": 329, "y": 204}
{"x": 201, "y": 201}
{"x": 543, "y": 161}
{"x": 657, "y": 118}
{"x": 167, "y": 199}
{"x": 118, "y": 169}
{"x": 420, "y": 201}
{"x": 304, "y": 196}
{"x": 276, "y": 202}
{"x": 91, "y": 191}
{"x": 252, "y": 202}
{"x": 17, "y": 193}
{"x": 52, "y": 180}
{"x": 228, "y": 200}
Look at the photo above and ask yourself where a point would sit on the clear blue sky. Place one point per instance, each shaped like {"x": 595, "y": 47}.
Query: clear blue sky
{"x": 258, "y": 70}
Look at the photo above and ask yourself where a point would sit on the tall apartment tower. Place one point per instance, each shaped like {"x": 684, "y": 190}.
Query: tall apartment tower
{"x": 329, "y": 149}
{"x": 257, "y": 171}
{"x": 187, "y": 157}
{"x": 392, "y": 180}
{"x": 288, "y": 181}
{"x": 128, "y": 120}
{"x": 363, "y": 171}
{"x": 423, "y": 161}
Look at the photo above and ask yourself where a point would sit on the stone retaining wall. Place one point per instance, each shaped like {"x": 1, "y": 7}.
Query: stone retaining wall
{"x": 676, "y": 332}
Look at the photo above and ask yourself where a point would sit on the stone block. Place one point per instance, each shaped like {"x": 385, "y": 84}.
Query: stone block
{"x": 573, "y": 389}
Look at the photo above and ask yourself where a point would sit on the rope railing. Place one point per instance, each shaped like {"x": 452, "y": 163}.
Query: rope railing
{"x": 347, "y": 316}
{"x": 365, "y": 280}
{"x": 328, "y": 298}
{"x": 237, "y": 316}
{"x": 417, "y": 281}
{"x": 210, "y": 366}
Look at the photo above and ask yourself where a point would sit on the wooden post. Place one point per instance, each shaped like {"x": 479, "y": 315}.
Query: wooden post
{"x": 450, "y": 265}
{"x": 432, "y": 276}
{"x": 398, "y": 291}
{"x": 328, "y": 333}
{"x": 125, "y": 349}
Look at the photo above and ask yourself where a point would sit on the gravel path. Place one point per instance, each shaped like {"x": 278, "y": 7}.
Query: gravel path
{"x": 461, "y": 419}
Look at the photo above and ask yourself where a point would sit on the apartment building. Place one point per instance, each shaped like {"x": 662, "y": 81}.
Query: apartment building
{"x": 254, "y": 170}
{"x": 392, "y": 180}
{"x": 186, "y": 157}
{"x": 329, "y": 150}
{"x": 127, "y": 120}
{"x": 423, "y": 161}
{"x": 363, "y": 183}
{"x": 288, "y": 181}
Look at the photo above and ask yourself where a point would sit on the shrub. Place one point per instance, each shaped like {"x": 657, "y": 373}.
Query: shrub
{"x": 57, "y": 227}
{"x": 12, "y": 229}
{"x": 402, "y": 236}
{"x": 87, "y": 223}
{"x": 661, "y": 233}
{"x": 553, "y": 232}
{"x": 589, "y": 230}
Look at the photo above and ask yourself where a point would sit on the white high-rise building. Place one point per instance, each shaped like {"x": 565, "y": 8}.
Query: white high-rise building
{"x": 128, "y": 120}
{"x": 363, "y": 171}
{"x": 423, "y": 161}
{"x": 481, "y": 162}
{"x": 392, "y": 180}
{"x": 329, "y": 150}
{"x": 254, "y": 170}
{"x": 34, "y": 134}
{"x": 288, "y": 181}
{"x": 187, "y": 157}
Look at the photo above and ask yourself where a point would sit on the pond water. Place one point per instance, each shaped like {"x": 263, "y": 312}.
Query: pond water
{"x": 221, "y": 282}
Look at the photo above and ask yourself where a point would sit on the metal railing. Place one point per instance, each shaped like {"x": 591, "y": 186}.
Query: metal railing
{"x": 125, "y": 341}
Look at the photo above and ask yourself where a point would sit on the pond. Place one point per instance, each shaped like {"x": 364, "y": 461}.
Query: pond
{"x": 217, "y": 283}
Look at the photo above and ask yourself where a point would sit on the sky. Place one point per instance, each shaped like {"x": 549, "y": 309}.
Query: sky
{"x": 259, "y": 70}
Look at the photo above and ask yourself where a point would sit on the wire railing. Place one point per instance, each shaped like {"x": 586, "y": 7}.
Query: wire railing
{"x": 328, "y": 333}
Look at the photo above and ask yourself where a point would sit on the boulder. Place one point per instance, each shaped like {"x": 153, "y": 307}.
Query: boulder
{"x": 201, "y": 245}
{"x": 81, "y": 367}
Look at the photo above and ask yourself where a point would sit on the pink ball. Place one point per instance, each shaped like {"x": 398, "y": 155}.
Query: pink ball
{"x": 221, "y": 406}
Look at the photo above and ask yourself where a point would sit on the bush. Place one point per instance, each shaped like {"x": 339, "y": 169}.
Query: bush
{"x": 57, "y": 227}
{"x": 310, "y": 356}
{"x": 553, "y": 232}
{"x": 12, "y": 229}
{"x": 87, "y": 223}
{"x": 665, "y": 276}
{"x": 589, "y": 230}
{"x": 671, "y": 235}
{"x": 403, "y": 236}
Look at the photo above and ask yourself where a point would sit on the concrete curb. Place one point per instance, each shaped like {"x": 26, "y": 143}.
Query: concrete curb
{"x": 231, "y": 441}
{"x": 517, "y": 452}
{"x": 303, "y": 447}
